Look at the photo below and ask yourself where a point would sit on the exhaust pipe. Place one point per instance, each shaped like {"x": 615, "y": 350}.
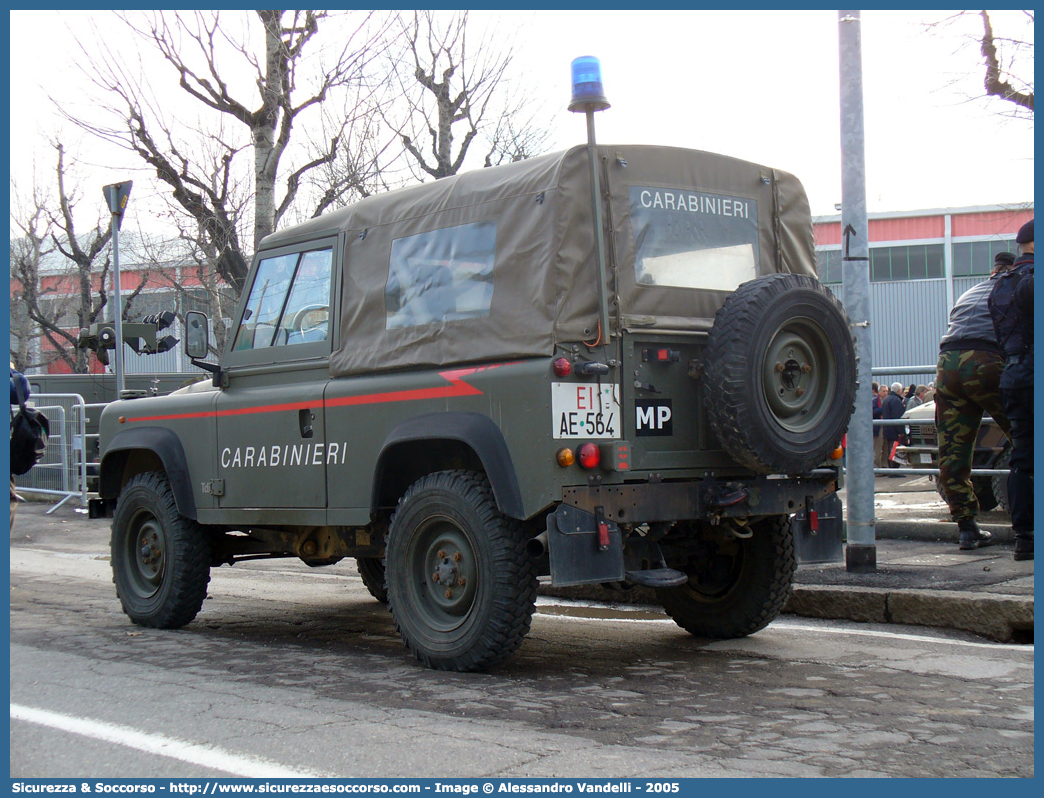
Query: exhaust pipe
{"x": 537, "y": 547}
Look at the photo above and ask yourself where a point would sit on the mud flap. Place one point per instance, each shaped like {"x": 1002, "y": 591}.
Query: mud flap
{"x": 819, "y": 534}
{"x": 584, "y": 547}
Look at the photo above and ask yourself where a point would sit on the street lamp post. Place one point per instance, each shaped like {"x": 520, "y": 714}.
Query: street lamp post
{"x": 117, "y": 196}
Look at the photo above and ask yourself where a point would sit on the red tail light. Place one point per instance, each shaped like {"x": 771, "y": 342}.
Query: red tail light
{"x": 589, "y": 455}
{"x": 562, "y": 366}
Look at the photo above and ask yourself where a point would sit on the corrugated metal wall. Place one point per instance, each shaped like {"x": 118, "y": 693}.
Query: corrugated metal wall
{"x": 907, "y": 319}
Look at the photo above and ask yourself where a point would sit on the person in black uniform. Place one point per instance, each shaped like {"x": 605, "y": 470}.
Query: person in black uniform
{"x": 19, "y": 393}
{"x": 1011, "y": 308}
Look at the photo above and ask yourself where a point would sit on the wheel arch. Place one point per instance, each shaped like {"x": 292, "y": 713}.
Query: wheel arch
{"x": 134, "y": 451}
{"x": 441, "y": 441}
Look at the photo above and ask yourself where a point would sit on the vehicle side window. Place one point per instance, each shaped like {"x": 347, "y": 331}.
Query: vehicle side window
{"x": 443, "y": 275}
{"x": 289, "y": 302}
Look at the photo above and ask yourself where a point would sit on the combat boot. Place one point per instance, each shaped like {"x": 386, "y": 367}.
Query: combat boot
{"x": 1023, "y": 546}
{"x": 971, "y": 536}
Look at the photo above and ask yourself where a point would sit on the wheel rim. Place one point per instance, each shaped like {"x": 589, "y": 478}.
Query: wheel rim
{"x": 440, "y": 562}
{"x": 146, "y": 556}
{"x": 714, "y": 574}
{"x": 799, "y": 373}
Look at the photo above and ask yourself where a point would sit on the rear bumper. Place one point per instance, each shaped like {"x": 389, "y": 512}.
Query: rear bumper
{"x": 647, "y": 502}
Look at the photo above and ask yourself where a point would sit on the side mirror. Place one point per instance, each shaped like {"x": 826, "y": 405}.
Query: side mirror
{"x": 197, "y": 343}
{"x": 197, "y": 338}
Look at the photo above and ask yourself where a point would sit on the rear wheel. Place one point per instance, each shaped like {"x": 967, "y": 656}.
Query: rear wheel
{"x": 160, "y": 559}
{"x": 461, "y": 588}
{"x": 737, "y": 585}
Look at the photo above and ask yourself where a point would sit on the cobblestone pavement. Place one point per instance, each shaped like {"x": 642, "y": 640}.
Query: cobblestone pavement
{"x": 300, "y": 666}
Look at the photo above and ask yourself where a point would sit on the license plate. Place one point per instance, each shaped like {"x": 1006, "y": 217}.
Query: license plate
{"x": 585, "y": 411}
{"x": 925, "y": 458}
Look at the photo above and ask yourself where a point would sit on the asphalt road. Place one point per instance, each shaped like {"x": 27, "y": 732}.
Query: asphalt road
{"x": 296, "y": 671}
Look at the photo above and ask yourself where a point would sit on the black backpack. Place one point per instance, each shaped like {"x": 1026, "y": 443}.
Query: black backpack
{"x": 29, "y": 431}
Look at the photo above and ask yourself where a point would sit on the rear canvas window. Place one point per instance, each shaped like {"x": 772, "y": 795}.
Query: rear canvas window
{"x": 442, "y": 275}
{"x": 693, "y": 239}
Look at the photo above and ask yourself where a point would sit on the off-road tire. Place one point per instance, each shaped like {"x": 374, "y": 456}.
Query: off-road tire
{"x": 985, "y": 494}
{"x": 371, "y": 570}
{"x": 736, "y": 587}
{"x": 448, "y": 524}
{"x": 780, "y": 374}
{"x": 160, "y": 559}
{"x": 999, "y": 483}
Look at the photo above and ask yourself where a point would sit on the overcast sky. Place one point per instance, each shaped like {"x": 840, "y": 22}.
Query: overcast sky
{"x": 761, "y": 86}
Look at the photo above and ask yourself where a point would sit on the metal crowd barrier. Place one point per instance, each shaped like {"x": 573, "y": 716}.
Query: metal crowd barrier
{"x": 896, "y": 422}
{"x": 63, "y": 469}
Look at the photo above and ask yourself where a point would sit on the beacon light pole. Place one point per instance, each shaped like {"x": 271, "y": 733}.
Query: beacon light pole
{"x": 588, "y": 97}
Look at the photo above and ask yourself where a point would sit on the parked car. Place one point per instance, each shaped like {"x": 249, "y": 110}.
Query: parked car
{"x": 992, "y": 449}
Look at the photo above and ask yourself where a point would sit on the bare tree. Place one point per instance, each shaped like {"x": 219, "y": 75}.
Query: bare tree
{"x": 183, "y": 268}
{"x": 60, "y": 287}
{"x": 516, "y": 138}
{"x": 1001, "y": 78}
{"x": 1006, "y": 60}
{"x": 28, "y": 250}
{"x": 262, "y": 114}
{"x": 62, "y": 275}
{"x": 367, "y": 161}
{"x": 454, "y": 89}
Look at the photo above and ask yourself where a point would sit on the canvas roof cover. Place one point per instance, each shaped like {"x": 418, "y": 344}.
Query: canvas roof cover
{"x": 536, "y": 218}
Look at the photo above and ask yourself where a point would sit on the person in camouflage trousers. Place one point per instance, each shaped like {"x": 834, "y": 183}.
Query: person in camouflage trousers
{"x": 967, "y": 385}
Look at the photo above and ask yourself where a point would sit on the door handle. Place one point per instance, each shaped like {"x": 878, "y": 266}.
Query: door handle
{"x": 305, "y": 419}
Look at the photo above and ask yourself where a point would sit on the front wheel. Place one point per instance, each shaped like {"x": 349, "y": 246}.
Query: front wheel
{"x": 739, "y": 578}
{"x": 160, "y": 559}
{"x": 371, "y": 571}
{"x": 461, "y": 588}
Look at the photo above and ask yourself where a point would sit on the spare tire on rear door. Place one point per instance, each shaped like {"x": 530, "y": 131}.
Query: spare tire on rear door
{"x": 780, "y": 374}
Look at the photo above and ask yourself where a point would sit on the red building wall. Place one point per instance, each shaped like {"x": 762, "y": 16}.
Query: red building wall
{"x": 916, "y": 228}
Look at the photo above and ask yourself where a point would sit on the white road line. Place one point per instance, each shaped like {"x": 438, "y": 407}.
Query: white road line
{"x": 786, "y": 624}
{"x": 203, "y": 755}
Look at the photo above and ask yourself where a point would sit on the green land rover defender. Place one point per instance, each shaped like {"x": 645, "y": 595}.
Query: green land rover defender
{"x": 459, "y": 385}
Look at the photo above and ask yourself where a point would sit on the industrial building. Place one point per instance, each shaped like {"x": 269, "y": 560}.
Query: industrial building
{"x": 920, "y": 262}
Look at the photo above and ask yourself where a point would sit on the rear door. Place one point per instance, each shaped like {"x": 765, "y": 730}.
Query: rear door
{"x": 691, "y": 247}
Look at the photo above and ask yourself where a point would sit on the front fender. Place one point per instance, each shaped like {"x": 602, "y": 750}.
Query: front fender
{"x": 161, "y": 442}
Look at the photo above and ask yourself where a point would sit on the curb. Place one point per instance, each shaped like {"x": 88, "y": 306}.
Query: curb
{"x": 1005, "y": 619}
{"x": 937, "y": 531}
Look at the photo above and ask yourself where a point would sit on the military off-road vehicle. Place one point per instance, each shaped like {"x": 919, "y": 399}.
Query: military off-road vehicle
{"x": 460, "y": 386}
